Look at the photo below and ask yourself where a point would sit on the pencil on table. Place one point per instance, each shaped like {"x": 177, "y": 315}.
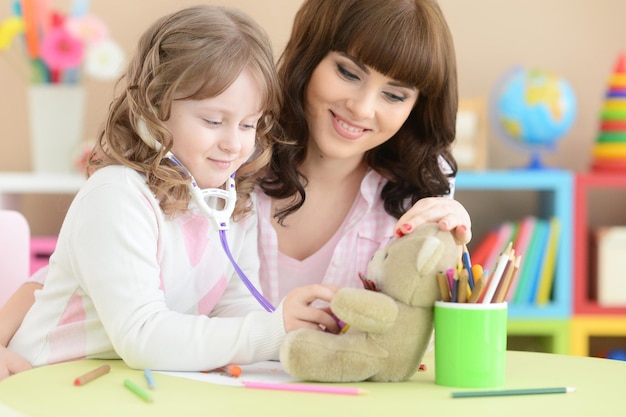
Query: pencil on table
{"x": 137, "y": 390}
{"x": 149, "y": 378}
{"x": 91, "y": 375}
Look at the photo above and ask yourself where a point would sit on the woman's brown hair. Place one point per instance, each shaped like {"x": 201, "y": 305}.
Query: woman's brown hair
{"x": 407, "y": 40}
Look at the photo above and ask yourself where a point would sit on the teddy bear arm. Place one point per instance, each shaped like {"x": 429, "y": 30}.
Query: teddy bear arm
{"x": 366, "y": 310}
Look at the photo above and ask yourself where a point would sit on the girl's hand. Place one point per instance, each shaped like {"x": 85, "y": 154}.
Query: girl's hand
{"x": 449, "y": 213}
{"x": 298, "y": 313}
{"x": 11, "y": 363}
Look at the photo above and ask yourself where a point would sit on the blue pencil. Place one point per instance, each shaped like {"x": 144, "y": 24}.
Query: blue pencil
{"x": 467, "y": 264}
{"x": 149, "y": 378}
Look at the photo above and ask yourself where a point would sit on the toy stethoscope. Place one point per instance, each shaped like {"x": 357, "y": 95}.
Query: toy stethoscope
{"x": 206, "y": 200}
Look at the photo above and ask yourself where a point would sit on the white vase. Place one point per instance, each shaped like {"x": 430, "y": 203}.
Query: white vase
{"x": 56, "y": 118}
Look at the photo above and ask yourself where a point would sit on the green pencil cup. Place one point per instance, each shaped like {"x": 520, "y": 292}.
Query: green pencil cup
{"x": 470, "y": 344}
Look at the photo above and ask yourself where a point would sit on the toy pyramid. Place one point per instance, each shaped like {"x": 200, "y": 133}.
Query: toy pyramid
{"x": 609, "y": 152}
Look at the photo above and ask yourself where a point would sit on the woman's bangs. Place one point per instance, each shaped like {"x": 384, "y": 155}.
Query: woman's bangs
{"x": 418, "y": 63}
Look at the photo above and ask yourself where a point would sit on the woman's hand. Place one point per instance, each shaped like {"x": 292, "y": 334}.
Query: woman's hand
{"x": 11, "y": 363}
{"x": 448, "y": 213}
{"x": 298, "y": 312}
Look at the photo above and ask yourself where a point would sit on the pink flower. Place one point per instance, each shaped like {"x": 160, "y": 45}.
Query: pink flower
{"x": 61, "y": 50}
{"x": 89, "y": 28}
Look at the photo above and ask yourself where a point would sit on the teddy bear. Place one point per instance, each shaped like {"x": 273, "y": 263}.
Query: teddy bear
{"x": 389, "y": 324}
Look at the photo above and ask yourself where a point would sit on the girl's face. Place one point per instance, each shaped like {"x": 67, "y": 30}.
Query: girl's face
{"x": 351, "y": 108}
{"x": 214, "y": 136}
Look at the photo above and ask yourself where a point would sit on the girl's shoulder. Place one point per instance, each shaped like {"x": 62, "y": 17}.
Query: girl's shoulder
{"x": 114, "y": 180}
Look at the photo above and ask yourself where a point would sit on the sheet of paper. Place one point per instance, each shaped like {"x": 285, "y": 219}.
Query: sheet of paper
{"x": 267, "y": 371}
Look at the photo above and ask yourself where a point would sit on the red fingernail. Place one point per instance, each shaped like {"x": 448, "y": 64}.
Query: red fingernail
{"x": 407, "y": 227}
{"x": 399, "y": 233}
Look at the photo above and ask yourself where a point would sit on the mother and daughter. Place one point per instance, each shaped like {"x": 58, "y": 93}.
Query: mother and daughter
{"x": 347, "y": 146}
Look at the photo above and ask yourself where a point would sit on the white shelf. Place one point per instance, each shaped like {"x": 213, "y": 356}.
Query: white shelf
{"x": 14, "y": 184}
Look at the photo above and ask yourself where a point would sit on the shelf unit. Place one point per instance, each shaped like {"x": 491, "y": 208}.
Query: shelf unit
{"x": 555, "y": 188}
{"x": 14, "y": 184}
{"x": 585, "y": 183}
{"x": 552, "y": 336}
{"x": 584, "y": 329}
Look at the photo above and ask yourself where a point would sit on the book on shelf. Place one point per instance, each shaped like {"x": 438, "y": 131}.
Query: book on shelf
{"x": 610, "y": 256}
{"x": 525, "y": 230}
{"x": 506, "y": 233}
{"x": 546, "y": 280}
{"x": 532, "y": 262}
{"x": 536, "y": 241}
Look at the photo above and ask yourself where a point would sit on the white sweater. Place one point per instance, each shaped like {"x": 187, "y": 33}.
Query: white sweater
{"x": 127, "y": 282}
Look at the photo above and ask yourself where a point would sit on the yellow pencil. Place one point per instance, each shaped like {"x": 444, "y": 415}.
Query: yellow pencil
{"x": 479, "y": 286}
{"x": 463, "y": 285}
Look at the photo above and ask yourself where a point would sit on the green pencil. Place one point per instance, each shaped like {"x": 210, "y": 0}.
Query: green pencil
{"x": 531, "y": 391}
{"x": 137, "y": 390}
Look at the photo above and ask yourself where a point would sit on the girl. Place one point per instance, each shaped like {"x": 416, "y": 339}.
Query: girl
{"x": 369, "y": 110}
{"x": 138, "y": 272}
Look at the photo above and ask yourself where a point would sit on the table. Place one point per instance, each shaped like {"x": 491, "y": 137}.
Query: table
{"x": 48, "y": 391}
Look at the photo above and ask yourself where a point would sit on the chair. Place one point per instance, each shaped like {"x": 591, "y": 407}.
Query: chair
{"x": 14, "y": 252}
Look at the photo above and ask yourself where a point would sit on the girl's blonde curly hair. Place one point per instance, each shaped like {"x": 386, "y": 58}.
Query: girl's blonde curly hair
{"x": 198, "y": 51}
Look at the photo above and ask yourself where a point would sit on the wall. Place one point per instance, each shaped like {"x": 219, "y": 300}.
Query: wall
{"x": 579, "y": 39}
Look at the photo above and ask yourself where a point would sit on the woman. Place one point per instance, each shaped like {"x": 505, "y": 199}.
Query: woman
{"x": 369, "y": 114}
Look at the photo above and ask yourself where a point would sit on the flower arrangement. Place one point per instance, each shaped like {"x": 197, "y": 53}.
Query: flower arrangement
{"x": 59, "y": 45}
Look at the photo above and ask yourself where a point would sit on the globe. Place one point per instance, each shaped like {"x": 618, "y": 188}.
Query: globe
{"x": 533, "y": 109}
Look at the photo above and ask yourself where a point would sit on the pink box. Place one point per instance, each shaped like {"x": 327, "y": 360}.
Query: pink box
{"x": 41, "y": 247}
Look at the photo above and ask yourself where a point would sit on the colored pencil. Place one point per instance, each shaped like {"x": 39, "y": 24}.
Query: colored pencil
{"x": 149, "y": 378}
{"x": 505, "y": 392}
{"x": 137, "y": 390}
{"x": 467, "y": 264}
{"x": 442, "y": 280}
{"x": 91, "y": 375}
{"x": 319, "y": 389}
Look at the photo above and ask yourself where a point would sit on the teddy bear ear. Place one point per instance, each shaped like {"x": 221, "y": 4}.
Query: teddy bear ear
{"x": 429, "y": 255}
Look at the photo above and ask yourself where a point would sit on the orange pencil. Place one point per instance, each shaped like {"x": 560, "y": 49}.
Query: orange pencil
{"x": 232, "y": 370}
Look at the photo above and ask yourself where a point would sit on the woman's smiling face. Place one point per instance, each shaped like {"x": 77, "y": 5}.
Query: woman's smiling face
{"x": 351, "y": 108}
